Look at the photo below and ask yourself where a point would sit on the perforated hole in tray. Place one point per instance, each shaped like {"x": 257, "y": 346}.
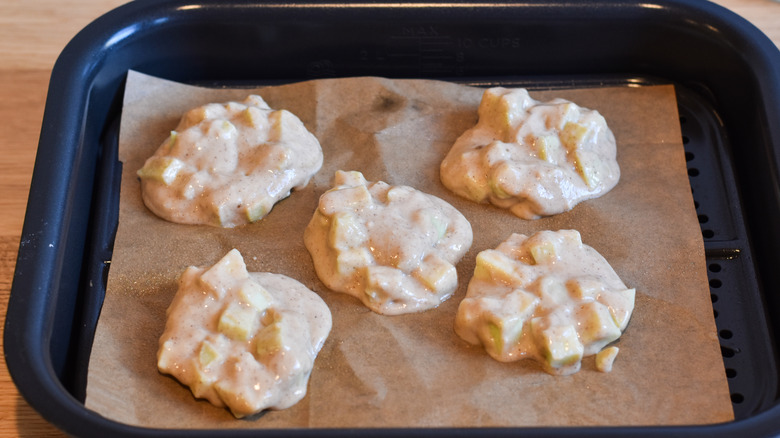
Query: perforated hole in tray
{"x": 730, "y": 272}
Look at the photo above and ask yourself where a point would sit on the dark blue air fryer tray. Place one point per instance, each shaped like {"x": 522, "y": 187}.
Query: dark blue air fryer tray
{"x": 726, "y": 73}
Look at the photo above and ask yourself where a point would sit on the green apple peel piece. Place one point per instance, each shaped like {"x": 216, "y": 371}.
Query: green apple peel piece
{"x": 259, "y": 209}
{"x": 504, "y": 334}
{"x": 161, "y": 169}
{"x": 559, "y": 345}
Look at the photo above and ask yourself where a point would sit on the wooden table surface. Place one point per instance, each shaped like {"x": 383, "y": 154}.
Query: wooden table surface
{"x": 32, "y": 34}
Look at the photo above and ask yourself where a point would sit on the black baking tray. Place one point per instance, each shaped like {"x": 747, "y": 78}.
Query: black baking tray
{"x": 725, "y": 71}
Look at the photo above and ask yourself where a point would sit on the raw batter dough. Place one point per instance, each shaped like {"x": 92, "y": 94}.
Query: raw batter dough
{"x": 535, "y": 159}
{"x": 228, "y": 164}
{"x": 547, "y": 297}
{"x": 393, "y": 247}
{"x": 243, "y": 340}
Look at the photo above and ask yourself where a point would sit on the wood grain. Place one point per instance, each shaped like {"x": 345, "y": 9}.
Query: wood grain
{"x": 32, "y": 34}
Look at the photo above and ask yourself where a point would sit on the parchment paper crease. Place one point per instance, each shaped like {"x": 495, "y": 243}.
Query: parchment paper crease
{"x": 412, "y": 370}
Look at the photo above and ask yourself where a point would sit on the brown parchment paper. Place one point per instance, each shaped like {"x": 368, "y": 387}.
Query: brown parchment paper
{"x": 412, "y": 370}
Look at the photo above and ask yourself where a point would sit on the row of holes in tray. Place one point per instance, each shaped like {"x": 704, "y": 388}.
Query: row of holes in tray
{"x": 713, "y": 269}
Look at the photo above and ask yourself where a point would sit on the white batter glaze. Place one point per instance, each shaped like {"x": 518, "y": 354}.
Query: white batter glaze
{"x": 533, "y": 158}
{"x": 393, "y": 247}
{"x": 547, "y": 297}
{"x": 243, "y": 340}
{"x": 228, "y": 164}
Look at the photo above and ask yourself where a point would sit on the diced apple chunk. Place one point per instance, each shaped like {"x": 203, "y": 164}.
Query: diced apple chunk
{"x": 252, "y": 293}
{"x": 548, "y": 147}
{"x": 256, "y": 101}
{"x": 494, "y": 112}
{"x": 346, "y": 231}
{"x": 231, "y": 267}
{"x": 162, "y": 169}
{"x": 222, "y": 129}
{"x": 398, "y": 193}
{"x": 553, "y": 292}
{"x": 474, "y": 182}
{"x": 166, "y": 358}
{"x": 559, "y": 345}
{"x": 380, "y": 280}
{"x": 259, "y": 209}
{"x": 566, "y": 112}
{"x": 277, "y": 157}
{"x": 282, "y": 121}
{"x": 437, "y": 274}
{"x": 572, "y": 135}
{"x": 203, "y": 382}
{"x": 255, "y": 117}
{"x": 269, "y": 340}
{"x": 503, "y": 334}
{"x": 597, "y": 325}
{"x": 208, "y": 354}
{"x": 493, "y": 265}
{"x": 467, "y": 318}
{"x": 171, "y": 141}
{"x": 347, "y": 198}
{"x": 502, "y": 179}
{"x": 229, "y": 392}
{"x": 195, "y": 116}
{"x": 350, "y": 178}
{"x": 505, "y": 320}
{"x": 431, "y": 220}
{"x": 234, "y": 107}
{"x": 501, "y": 107}
{"x": 521, "y": 302}
{"x": 588, "y": 168}
{"x": 605, "y": 358}
{"x": 347, "y": 261}
{"x": 222, "y": 213}
{"x": 543, "y": 251}
{"x": 571, "y": 236}
{"x": 497, "y": 152}
{"x": 585, "y": 287}
{"x": 239, "y": 321}
{"x": 620, "y": 304}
